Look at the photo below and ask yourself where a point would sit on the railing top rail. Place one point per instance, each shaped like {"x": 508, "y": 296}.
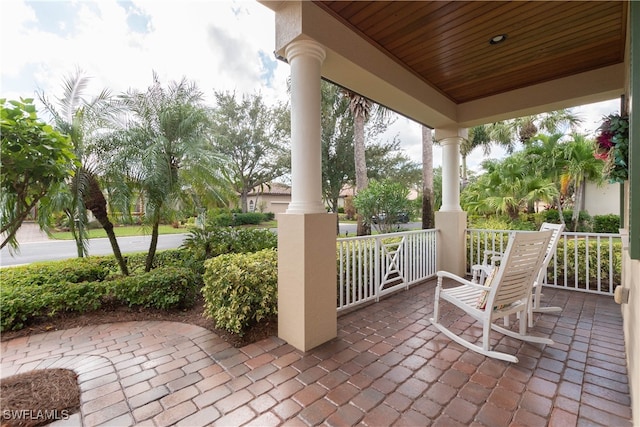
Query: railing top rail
{"x": 567, "y": 233}
{"x": 386, "y": 235}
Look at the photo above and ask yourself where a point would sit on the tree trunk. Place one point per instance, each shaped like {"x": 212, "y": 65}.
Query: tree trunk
{"x": 575, "y": 215}
{"x": 361, "y": 167}
{"x": 154, "y": 241}
{"x": 427, "y": 179}
{"x": 94, "y": 201}
{"x": 243, "y": 200}
{"x": 74, "y": 232}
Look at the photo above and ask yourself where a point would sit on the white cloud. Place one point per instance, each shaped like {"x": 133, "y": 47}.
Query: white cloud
{"x": 221, "y": 45}
{"x": 217, "y": 44}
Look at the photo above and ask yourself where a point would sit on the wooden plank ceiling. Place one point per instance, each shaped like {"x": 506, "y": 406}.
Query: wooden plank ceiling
{"x": 447, "y": 43}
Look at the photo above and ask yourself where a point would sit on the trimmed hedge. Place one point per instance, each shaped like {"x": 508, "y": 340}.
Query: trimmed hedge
{"x": 90, "y": 269}
{"x": 241, "y": 289}
{"x": 606, "y": 223}
{"x": 163, "y": 288}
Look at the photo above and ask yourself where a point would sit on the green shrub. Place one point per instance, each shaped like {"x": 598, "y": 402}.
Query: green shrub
{"x": 164, "y": 287}
{"x": 585, "y": 222}
{"x": 21, "y": 301}
{"x": 500, "y": 223}
{"x": 241, "y": 289}
{"x": 71, "y": 270}
{"x": 248, "y": 218}
{"x": 596, "y": 266}
{"x": 19, "y": 304}
{"x": 606, "y": 223}
{"x": 213, "y": 241}
{"x": 165, "y": 258}
{"x": 221, "y": 220}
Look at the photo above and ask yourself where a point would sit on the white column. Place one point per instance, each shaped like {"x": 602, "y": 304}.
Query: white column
{"x": 305, "y": 58}
{"x": 451, "y": 220}
{"x": 450, "y": 141}
{"x": 307, "y": 286}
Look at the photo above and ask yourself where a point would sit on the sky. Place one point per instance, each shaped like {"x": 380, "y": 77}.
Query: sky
{"x": 220, "y": 45}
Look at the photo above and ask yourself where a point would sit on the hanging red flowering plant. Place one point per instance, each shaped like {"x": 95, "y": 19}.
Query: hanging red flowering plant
{"x": 612, "y": 146}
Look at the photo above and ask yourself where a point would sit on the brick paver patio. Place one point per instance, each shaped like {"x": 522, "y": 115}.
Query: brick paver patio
{"x": 388, "y": 366}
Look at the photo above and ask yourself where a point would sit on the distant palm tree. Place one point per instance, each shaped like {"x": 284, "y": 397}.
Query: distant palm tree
{"x": 360, "y": 109}
{"x": 82, "y": 119}
{"x": 427, "y": 178}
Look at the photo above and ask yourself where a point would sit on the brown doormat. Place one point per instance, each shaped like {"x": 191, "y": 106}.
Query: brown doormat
{"x": 39, "y": 397}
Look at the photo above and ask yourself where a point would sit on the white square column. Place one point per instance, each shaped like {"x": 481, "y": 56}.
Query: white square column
{"x": 307, "y": 294}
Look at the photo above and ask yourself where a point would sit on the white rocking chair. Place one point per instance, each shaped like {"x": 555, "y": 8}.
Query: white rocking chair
{"x": 491, "y": 258}
{"x": 507, "y": 291}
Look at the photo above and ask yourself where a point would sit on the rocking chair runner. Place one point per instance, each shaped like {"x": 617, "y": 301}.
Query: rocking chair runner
{"x": 481, "y": 271}
{"x": 508, "y": 292}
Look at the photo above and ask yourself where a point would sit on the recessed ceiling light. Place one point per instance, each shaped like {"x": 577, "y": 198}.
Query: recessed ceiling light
{"x": 498, "y": 39}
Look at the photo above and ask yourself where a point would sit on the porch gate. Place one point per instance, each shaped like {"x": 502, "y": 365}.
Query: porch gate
{"x": 372, "y": 266}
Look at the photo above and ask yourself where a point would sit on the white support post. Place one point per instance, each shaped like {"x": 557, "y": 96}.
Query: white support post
{"x": 307, "y": 307}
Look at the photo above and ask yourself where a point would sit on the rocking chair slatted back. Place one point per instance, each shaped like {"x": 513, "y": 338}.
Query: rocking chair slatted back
{"x": 519, "y": 269}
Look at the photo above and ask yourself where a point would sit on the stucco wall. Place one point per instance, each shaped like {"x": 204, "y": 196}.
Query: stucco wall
{"x": 602, "y": 200}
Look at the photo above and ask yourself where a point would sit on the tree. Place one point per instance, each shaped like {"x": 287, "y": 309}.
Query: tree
{"x": 508, "y": 133}
{"x": 581, "y": 166}
{"x": 506, "y": 188}
{"x": 384, "y": 159}
{"x": 427, "y": 179}
{"x": 83, "y": 120}
{"x": 35, "y": 160}
{"x": 252, "y": 136}
{"x": 382, "y": 200}
{"x": 165, "y": 150}
{"x": 338, "y": 168}
{"x": 546, "y": 157}
{"x": 360, "y": 108}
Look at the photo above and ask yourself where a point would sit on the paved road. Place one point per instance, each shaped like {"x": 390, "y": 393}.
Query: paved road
{"x": 48, "y": 250}
{"x": 35, "y": 246}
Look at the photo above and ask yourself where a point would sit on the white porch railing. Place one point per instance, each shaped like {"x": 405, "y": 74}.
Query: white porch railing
{"x": 372, "y": 266}
{"x": 588, "y": 262}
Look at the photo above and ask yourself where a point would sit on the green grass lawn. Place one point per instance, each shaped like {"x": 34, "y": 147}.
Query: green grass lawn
{"x": 123, "y": 231}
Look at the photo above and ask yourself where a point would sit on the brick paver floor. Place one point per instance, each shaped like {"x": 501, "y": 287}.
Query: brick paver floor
{"x": 388, "y": 366}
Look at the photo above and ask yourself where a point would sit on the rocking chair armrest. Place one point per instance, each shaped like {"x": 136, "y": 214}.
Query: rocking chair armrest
{"x": 479, "y": 267}
{"x": 441, "y": 274}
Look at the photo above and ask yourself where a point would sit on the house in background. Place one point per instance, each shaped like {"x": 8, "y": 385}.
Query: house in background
{"x": 274, "y": 197}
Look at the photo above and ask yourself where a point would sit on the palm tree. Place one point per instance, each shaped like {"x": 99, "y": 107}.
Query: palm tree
{"x": 508, "y": 133}
{"x": 427, "y": 178}
{"x": 506, "y": 188}
{"x": 165, "y": 150}
{"x": 581, "y": 166}
{"x": 546, "y": 157}
{"x": 83, "y": 119}
{"x": 360, "y": 109}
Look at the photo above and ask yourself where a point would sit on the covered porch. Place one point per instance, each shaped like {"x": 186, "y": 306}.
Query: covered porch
{"x": 387, "y": 366}
{"x": 448, "y": 66}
